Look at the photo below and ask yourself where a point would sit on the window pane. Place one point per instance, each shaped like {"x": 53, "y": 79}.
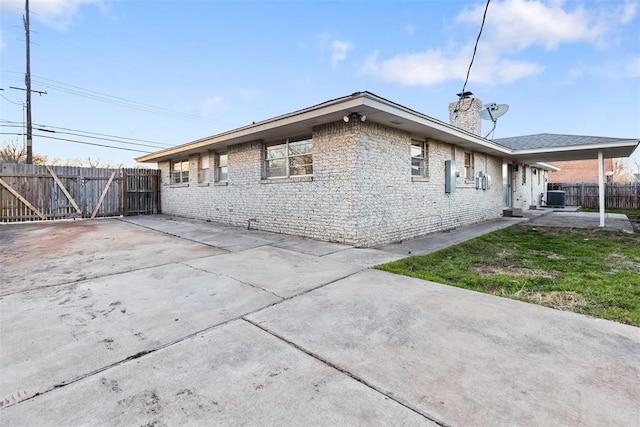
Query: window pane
{"x": 222, "y": 173}
{"x": 277, "y": 152}
{"x": 416, "y": 151}
{"x": 204, "y": 162}
{"x": 222, "y": 160}
{"x": 301, "y": 165}
{"x": 300, "y": 147}
{"x": 276, "y": 167}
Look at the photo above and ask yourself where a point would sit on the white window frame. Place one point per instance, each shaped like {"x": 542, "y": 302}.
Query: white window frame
{"x": 468, "y": 166}
{"x": 204, "y": 173}
{"x": 422, "y": 159}
{"x": 287, "y": 157}
{"x": 222, "y": 167}
{"x": 179, "y": 171}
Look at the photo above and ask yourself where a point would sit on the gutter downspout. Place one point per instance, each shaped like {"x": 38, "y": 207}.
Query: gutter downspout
{"x": 601, "y": 186}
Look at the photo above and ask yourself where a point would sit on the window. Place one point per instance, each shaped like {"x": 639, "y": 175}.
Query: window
{"x": 524, "y": 174}
{"x": 223, "y": 167}
{"x": 180, "y": 172}
{"x": 203, "y": 169}
{"x": 289, "y": 158}
{"x": 468, "y": 166}
{"x": 419, "y": 158}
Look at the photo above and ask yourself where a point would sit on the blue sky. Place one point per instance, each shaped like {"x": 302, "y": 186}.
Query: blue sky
{"x": 191, "y": 69}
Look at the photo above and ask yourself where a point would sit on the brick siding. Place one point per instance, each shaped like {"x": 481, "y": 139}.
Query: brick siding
{"x": 361, "y": 192}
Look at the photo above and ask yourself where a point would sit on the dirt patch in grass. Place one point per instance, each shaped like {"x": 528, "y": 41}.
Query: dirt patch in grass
{"x": 548, "y": 254}
{"x": 560, "y": 300}
{"x": 489, "y": 270}
{"x": 624, "y": 262}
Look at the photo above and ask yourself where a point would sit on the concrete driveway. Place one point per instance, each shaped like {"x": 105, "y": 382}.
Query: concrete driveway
{"x": 165, "y": 321}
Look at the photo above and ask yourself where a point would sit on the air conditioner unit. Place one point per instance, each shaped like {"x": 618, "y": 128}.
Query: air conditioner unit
{"x": 556, "y": 198}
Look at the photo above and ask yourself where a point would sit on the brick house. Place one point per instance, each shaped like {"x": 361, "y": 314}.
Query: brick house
{"x": 359, "y": 169}
{"x": 587, "y": 171}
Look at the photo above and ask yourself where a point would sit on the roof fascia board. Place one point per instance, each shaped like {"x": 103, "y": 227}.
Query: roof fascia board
{"x": 408, "y": 114}
{"x": 266, "y": 125}
{"x": 599, "y": 146}
{"x": 545, "y": 166}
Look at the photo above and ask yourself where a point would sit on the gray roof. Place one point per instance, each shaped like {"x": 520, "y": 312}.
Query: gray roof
{"x": 637, "y": 175}
{"x": 548, "y": 140}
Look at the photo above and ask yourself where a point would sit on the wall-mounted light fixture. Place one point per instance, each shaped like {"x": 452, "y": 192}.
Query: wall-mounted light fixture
{"x": 351, "y": 116}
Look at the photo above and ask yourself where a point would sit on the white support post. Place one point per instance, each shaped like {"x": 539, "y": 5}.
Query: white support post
{"x": 601, "y": 186}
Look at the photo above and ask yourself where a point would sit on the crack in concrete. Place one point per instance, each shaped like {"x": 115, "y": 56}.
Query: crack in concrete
{"x": 351, "y": 375}
{"x": 171, "y": 343}
{"x": 234, "y": 279}
{"x": 86, "y": 279}
{"x": 176, "y": 235}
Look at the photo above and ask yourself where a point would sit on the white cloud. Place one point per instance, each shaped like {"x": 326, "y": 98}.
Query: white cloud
{"x": 518, "y": 24}
{"x": 209, "y": 105}
{"x": 514, "y": 25}
{"x": 54, "y": 13}
{"x": 437, "y": 66}
{"x": 511, "y": 27}
{"x": 339, "y": 50}
{"x": 508, "y": 71}
{"x": 629, "y": 11}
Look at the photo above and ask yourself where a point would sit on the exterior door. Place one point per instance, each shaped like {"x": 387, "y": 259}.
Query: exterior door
{"x": 506, "y": 185}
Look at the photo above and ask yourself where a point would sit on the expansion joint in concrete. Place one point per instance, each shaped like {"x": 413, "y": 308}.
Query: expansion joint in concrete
{"x": 344, "y": 371}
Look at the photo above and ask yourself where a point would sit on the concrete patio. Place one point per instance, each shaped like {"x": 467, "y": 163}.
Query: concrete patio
{"x": 156, "y": 320}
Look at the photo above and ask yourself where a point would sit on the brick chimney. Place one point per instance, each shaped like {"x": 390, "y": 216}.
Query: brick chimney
{"x": 467, "y": 116}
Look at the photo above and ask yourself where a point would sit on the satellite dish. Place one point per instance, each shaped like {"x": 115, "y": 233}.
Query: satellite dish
{"x": 492, "y": 112}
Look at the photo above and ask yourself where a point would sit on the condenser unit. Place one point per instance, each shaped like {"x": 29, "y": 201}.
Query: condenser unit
{"x": 556, "y": 199}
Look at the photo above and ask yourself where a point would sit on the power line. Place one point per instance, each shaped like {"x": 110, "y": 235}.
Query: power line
{"x": 97, "y": 137}
{"x": 13, "y": 102}
{"x": 473, "y": 56}
{"x": 116, "y": 100}
{"x": 92, "y": 143}
{"x": 112, "y": 136}
{"x": 89, "y": 134}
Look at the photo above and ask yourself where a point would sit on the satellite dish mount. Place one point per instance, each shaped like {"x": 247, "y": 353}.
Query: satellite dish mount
{"x": 492, "y": 112}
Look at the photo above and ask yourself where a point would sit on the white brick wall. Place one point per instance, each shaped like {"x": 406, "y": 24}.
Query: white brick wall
{"x": 467, "y": 116}
{"x": 361, "y": 192}
{"x": 528, "y": 193}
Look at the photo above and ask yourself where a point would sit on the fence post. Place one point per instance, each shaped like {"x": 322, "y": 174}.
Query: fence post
{"x": 123, "y": 192}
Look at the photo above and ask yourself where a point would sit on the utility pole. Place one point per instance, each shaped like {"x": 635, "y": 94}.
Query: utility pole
{"x": 27, "y": 80}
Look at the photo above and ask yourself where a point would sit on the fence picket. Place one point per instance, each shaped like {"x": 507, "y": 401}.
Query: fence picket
{"x": 617, "y": 195}
{"x": 58, "y": 192}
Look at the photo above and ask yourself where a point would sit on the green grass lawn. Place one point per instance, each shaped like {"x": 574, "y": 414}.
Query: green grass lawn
{"x": 591, "y": 271}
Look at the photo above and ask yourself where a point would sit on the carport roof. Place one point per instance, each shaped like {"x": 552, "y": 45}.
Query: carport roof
{"x": 388, "y": 113}
{"x": 548, "y": 147}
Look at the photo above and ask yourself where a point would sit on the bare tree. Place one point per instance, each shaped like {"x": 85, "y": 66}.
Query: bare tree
{"x": 15, "y": 152}
{"x": 622, "y": 171}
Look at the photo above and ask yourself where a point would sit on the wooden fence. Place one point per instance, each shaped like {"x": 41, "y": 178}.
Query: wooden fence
{"x": 617, "y": 195}
{"x": 35, "y": 192}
